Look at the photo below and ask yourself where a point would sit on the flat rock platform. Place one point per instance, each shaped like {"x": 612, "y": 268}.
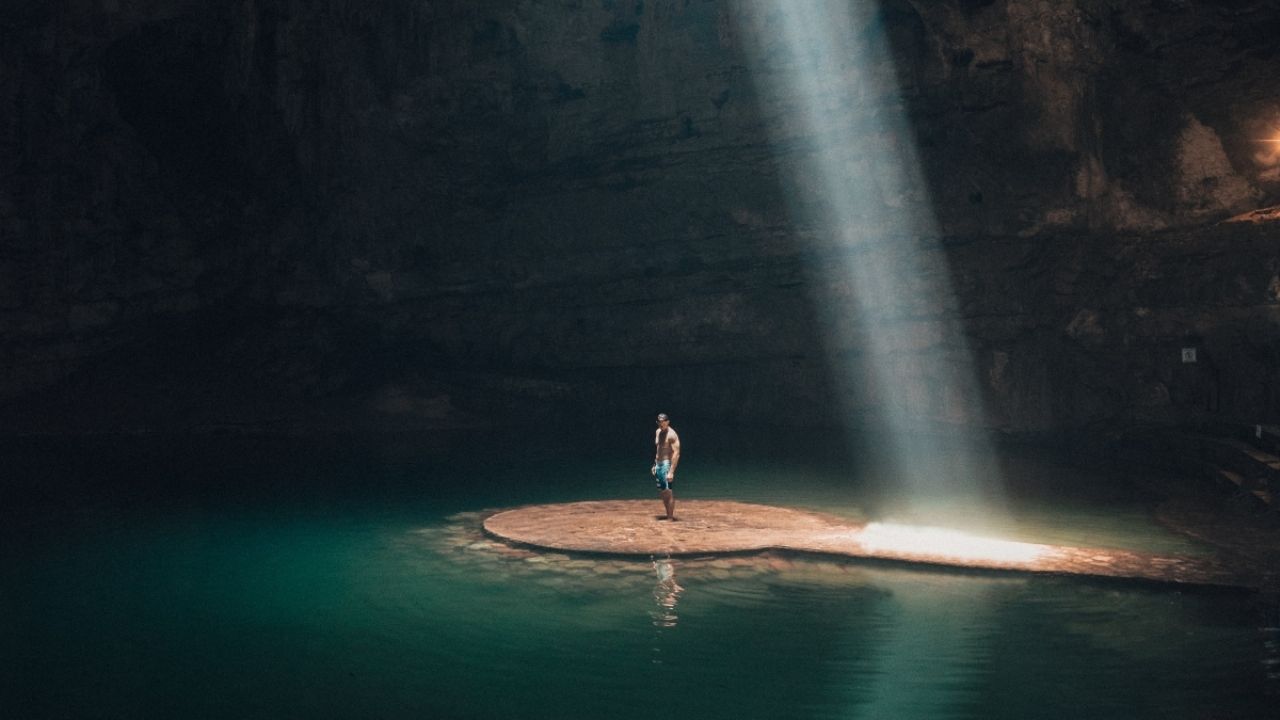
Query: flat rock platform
{"x": 633, "y": 527}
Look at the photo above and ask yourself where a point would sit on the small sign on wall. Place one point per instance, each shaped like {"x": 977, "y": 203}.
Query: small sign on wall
{"x": 1188, "y": 355}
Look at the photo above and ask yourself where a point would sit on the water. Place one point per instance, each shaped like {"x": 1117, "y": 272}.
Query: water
{"x": 262, "y": 579}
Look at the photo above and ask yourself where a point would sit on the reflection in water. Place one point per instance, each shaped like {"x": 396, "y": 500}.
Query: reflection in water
{"x": 937, "y": 618}
{"x": 666, "y": 593}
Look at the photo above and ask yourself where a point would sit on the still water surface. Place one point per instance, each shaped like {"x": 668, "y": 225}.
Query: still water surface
{"x": 252, "y": 579}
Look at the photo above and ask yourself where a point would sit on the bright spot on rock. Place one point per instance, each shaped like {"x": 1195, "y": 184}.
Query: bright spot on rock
{"x": 952, "y": 545}
{"x": 1268, "y": 154}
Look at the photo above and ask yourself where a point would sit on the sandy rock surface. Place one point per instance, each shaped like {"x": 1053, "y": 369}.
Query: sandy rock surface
{"x": 632, "y": 527}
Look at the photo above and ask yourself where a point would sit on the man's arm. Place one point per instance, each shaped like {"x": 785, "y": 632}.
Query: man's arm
{"x": 675, "y": 452}
{"x": 656, "y": 448}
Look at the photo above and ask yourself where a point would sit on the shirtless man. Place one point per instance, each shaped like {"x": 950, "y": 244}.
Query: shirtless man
{"x": 666, "y": 456}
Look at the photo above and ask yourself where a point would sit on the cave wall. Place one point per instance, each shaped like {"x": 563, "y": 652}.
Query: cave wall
{"x": 276, "y": 213}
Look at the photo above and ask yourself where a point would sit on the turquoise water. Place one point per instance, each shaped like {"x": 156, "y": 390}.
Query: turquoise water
{"x": 273, "y": 580}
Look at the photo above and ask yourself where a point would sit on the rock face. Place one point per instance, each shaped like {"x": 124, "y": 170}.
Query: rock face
{"x": 628, "y": 528}
{"x": 279, "y": 214}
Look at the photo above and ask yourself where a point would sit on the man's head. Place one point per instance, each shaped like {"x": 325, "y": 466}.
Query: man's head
{"x": 663, "y": 420}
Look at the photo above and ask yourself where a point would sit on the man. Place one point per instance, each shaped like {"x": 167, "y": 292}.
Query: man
{"x": 666, "y": 456}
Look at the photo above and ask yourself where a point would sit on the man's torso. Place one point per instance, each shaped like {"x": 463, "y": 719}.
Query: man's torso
{"x": 664, "y": 441}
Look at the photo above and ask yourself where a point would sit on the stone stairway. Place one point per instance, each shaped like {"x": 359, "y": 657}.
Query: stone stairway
{"x": 1244, "y": 459}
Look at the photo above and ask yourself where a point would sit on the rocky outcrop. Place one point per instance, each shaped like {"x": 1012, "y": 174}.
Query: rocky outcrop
{"x": 278, "y": 213}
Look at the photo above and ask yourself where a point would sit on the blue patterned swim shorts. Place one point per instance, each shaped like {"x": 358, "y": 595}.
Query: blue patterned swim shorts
{"x": 664, "y": 469}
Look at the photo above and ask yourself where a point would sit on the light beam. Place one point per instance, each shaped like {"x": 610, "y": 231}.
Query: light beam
{"x": 830, "y": 95}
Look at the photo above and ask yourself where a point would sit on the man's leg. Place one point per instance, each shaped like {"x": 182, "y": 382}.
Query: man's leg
{"x": 669, "y": 503}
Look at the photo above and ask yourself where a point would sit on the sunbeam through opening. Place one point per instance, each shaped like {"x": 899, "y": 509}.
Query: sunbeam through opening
{"x": 834, "y": 105}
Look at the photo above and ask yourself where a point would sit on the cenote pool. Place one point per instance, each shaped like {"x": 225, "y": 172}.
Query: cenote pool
{"x": 233, "y": 578}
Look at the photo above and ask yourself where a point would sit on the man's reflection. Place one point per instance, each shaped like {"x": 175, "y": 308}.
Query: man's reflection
{"x": 666, "y": 593}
